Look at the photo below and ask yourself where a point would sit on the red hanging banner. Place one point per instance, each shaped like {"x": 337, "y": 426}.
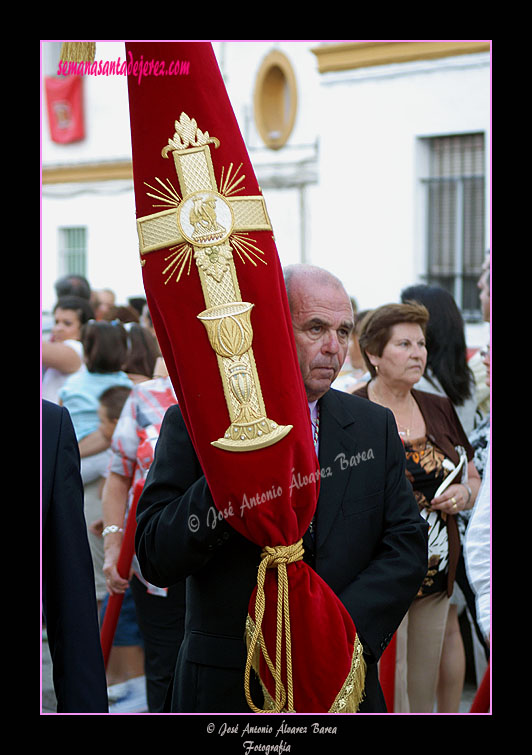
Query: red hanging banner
{"x": 114, "y": 604}
{"x": 64, "y": 101}
{"x": 217, "y": 297}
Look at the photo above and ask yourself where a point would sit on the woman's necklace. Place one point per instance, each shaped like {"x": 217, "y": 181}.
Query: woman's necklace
{"x": 404, "y": 430}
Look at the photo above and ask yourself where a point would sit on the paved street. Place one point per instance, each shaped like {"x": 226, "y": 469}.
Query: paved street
{"x": 48, "y": 701}
{"x": 135, "y": 701}
{"x": 129, "y": 697}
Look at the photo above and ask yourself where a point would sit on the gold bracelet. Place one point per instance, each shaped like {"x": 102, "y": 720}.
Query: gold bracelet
{"x": 111, "y": 528}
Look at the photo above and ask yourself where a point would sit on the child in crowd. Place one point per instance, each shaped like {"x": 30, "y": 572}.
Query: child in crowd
{"x": 105, "y": 353}
{"x": 110, "y": 407}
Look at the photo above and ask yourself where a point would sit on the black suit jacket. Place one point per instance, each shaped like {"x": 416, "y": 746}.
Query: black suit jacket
{"x": 370, "y": 546}
{"x": 68, "y": 590}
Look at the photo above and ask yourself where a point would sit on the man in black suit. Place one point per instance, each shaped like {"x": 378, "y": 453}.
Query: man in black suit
{"x": 368, "y": 541}
{"x": 68, "y": 589}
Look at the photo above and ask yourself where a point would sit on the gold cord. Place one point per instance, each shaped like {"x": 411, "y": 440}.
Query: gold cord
{"x": 274, "y": 557}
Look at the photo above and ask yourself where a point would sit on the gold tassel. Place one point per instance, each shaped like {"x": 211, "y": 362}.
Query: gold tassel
{"x": 78, "y": 52}
{"x": 273, "y": 557}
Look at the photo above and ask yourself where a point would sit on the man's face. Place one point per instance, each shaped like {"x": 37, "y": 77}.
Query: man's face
{"x": 322, "y": 318}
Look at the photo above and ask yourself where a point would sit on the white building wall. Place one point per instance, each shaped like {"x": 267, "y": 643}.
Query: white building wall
{"x": 107, "y": 209}
{"x": 368, "y": 227}
{"x": 342, "y": 193}
{"x": 287, "y": 176}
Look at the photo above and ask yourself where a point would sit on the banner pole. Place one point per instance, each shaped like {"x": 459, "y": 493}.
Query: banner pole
{"x": 114, "y": 605}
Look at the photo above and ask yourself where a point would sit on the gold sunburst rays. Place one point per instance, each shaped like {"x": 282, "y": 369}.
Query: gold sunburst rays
{"x": 246, "y": 248}
{"x": 180, "y": 257}
{"x": 168, "y": 196}
{"x": 228, "y": 186}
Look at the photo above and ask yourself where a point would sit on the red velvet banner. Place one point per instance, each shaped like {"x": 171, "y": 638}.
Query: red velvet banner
{"x": 216, "y": 294}
{"x": 387, "y": 673}
{"x": 482, "y": 700}
{"x": 64, "y": 101}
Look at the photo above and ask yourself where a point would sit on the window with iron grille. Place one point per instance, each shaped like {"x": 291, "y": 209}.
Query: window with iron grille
{"x": 455, "y": 217}
{"x": 73, "y": 251}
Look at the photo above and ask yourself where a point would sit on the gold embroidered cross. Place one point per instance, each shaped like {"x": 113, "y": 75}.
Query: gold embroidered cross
{"x": 206, "y": 223}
